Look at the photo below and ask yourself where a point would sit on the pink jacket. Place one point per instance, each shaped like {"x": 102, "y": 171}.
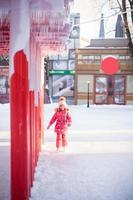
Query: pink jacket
{"x": 62, "y": 118}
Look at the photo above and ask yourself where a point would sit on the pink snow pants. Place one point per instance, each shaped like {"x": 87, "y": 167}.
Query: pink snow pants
{"x": 61, "y": 139}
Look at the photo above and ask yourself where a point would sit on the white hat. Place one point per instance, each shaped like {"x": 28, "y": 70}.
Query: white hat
{"x": 62, "y": 98}
{"x": 62, "y": 103}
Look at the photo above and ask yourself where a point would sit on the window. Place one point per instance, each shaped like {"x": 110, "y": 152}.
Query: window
{"x": 110, "y": 89}
{"x": 4, "y": 86}
{"x": 62, "y": 85}
{"x": 119, "y": 89}
{"x": 101, "y": 90}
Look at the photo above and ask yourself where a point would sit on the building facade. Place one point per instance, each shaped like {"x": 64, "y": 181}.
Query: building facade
{"x": 62, "y": 66}
{"x": 4, "y": 79}
{"x": 116, "y": 88}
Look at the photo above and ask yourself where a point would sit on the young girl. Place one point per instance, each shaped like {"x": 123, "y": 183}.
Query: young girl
{"x": 63, "y": 121}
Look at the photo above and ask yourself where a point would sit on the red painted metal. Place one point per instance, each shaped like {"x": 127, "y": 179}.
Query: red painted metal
{"x": 39, "y": 123}
{"x": 42, "y": 115}
{"x": 32, "y": 141}
{"x": 37, "y": 132}
{"x": 36, "y": 135}
{"x": 20, "y": 146}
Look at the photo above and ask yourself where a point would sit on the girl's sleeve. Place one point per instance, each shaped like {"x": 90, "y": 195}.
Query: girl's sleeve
{"x": 53, "y": 119}
{"x": 69, "y": 119}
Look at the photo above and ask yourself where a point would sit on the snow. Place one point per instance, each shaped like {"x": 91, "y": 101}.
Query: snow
{"x": 4, "y": 152}
{"x": 5, "y": 117}
{"x": 94, "y": 177}
{"x": 97, "y": 164}
{"x": 97, "y": 118}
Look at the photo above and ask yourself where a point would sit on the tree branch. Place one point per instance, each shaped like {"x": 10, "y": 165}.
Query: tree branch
{"x": 131, "y": 6}
{"x": 127, "y": 26}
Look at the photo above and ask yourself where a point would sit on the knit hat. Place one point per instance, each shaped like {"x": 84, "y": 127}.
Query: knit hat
{"x": 62, "y": 98}
{"x": 62, "y": 103}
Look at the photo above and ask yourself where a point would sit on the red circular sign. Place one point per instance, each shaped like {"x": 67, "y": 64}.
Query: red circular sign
{"x": 110, "y": 65}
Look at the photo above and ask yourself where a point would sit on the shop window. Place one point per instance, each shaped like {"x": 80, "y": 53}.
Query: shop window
{"x": 101, "y": 90}
{"x": 62, "y": 85}
{"x": 3, "y": 85}
{"x": 110, "y": 89}
{"x": 101, "y": 85}
{"x": 119, "y": 89}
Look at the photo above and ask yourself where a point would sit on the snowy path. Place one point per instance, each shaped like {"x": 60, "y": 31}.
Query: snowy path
{"x": 97, "y": 118}
{"x": 97, "y": 165}
{"x": 98, "y": 162}
{"x": 4, "y": 166}
{"x": 84, "y": 175}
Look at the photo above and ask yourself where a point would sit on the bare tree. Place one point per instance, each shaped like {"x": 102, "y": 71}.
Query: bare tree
{"x": 131, "y": 6}
{"x": 123, "y": 8}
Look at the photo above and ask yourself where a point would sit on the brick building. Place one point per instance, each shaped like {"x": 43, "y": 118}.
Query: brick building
{"x": 103, "y": 88}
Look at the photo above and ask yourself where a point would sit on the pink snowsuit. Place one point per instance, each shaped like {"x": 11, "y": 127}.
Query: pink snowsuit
{"x": 63, "y": 120}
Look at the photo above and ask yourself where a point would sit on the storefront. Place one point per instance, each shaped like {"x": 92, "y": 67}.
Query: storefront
{"x": 62, "y": 83}
{"x": 104, "y": 88}
{"x": 4, "y": 84}
{"x": 109, "y": 89}
{"x": 62, "y": 65}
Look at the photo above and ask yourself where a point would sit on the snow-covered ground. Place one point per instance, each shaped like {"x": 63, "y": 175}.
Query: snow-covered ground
{"x": 4, "y": 152}
{"x": 104, "y": 117}
{"x": 97, "y": 164}
{"x": 95, "y": 118}
{"x": 4, "y": 117}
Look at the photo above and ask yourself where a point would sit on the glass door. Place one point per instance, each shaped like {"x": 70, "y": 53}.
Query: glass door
{"x": 4, "y": 89}
{"x": 109, "y": 89}
{"x": 101, "y": 90}
{"x": 119, "y": 89}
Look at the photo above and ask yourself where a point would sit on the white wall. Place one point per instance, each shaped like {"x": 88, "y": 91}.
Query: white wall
{"x": 129, "y": 84}
{"x": 82, "y": 85}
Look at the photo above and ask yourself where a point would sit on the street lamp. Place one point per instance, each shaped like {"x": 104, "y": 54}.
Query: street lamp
{"x": 88, "y": 82}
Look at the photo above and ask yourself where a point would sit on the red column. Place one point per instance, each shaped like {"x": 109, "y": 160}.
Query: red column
{"x": 39, "y": 123}
{"x": 36, "y": 134}
{"x": 42, "y": 114}
{"x": 32, "y": 133}
{"x": 20, "y": 137}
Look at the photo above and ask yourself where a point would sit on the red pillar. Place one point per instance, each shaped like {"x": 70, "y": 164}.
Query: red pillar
{"x": 37, "y": 133}
{"x": 39, "y": 123}
{"x": 32, "y": 133}
{"x": 20, "y": 137}
{"x": 42, "y": 115}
